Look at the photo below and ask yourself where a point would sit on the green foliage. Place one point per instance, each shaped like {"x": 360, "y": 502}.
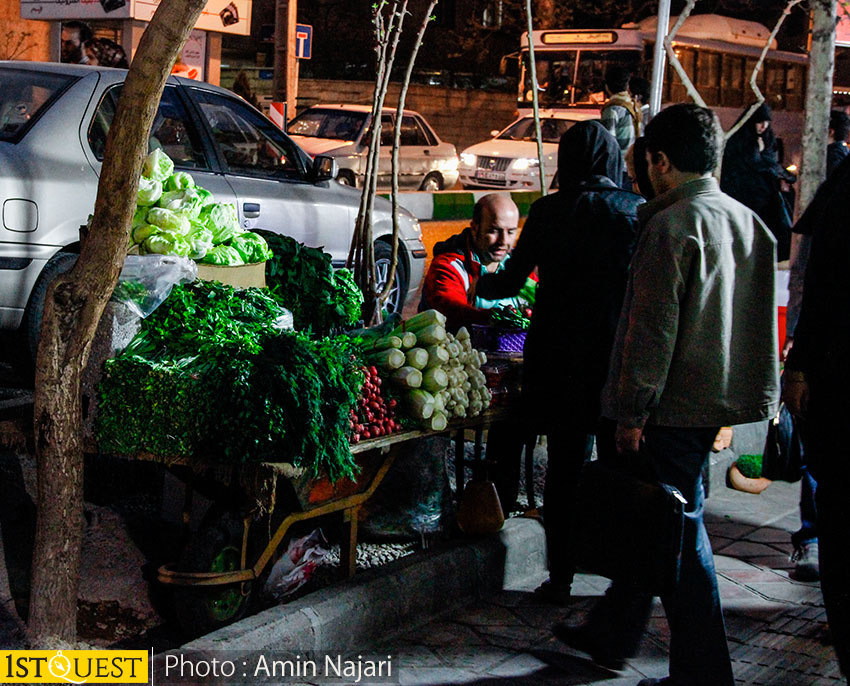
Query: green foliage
{"x": 304, "y": 281}
{"x": 211, "y": 376}
{"x": 750, "y": 466}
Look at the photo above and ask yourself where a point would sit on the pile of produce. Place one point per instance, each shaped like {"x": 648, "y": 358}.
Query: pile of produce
{"x": 511, "y": 317}
{"x": 176, "y": 217}
{"x": 304, "y": 281}
{"x": 375, "y": 415}
{"x": 438, "y": 375}
{"x": 212, "y": 374}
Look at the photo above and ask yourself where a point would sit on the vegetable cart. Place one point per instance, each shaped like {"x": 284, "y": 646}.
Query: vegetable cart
{"x": 220, "y": 566}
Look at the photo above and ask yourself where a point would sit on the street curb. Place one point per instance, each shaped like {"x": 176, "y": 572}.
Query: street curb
{"x": 444, "y": 205}
{"x": 376, "y": 604}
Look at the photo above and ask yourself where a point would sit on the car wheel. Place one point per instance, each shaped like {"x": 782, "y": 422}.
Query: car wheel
{"x": 60, "y": 263}
{"x": 395, "y": 300}
{"x": 346, "y": 178}
{"x": 432, "y": 182}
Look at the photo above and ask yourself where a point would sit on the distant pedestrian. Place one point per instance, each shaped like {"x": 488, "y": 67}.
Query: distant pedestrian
{"x": 752, "y": 174}
{"x": 695, "y": 349}
{"x": 105, "y": 53}
{"x": 620, "y": 115}
{"x": 639, "y": 88}
{"x": 74, "y": 35}
{"x": 839, "y": 131}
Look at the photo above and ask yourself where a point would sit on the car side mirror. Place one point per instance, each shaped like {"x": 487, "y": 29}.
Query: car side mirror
{"x": 324, "y": 168}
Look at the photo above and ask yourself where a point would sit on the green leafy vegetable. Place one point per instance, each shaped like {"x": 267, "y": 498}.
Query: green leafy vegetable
{"x": 169, "y": 220}
{"x": 210, "y": 375}
{"x": 304, "y": 281}
{"x": 251, "y": 247}
{"x": 157, "y": 165}
{"x": 150, "y": 191}
{"x": 178, "y": 181}
{"x": 222, "y": 219}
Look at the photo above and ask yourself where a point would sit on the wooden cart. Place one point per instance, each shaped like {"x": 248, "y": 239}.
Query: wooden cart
{"x": 225, "y": 559}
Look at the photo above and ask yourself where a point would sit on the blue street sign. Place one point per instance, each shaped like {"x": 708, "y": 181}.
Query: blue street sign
{"x": 303, "y": 41}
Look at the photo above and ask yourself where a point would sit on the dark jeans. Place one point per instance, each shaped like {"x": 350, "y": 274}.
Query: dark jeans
{"x": 699, "y": 655}
{"x": 505, "y": 441}
{"x": 808, "y": 532}
{"x": 567, "y": 452}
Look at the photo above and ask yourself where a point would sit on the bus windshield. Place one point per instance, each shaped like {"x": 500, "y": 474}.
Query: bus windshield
{"x": 575, "y": 77}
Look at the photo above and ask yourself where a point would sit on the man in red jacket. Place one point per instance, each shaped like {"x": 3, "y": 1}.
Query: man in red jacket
{"x": 485, "y": 244}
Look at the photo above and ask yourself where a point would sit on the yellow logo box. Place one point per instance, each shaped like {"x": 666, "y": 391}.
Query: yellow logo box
{"x": 74, "y": 666}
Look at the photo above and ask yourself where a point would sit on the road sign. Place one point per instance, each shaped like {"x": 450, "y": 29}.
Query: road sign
{"x": 303, "y": 41}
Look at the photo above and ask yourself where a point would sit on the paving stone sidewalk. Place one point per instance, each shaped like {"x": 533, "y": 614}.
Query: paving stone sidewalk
{"x": 776, "y": 626}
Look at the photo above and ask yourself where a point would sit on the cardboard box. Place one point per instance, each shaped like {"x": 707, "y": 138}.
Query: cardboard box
{"x": 241, "y": 276}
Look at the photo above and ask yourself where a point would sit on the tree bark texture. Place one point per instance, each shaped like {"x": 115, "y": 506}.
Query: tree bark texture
{"x": 73, "y": 308}
{"x": 818, "y": 100}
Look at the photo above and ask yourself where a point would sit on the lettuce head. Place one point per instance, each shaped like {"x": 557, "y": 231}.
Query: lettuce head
{"x": 179, "y": 181}
{"x": 169, "y": 220}
{"x": 150, "y": 191}
{"x": 158, "y": 166}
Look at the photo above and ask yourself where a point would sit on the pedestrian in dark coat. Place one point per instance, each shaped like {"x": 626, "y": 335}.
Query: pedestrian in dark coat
{"x": 580, "y": 239}
{"x": 817, "y": 378}
{"x": 752, "y": 174}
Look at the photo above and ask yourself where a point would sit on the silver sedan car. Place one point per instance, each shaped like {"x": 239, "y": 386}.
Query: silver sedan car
{"x": 53, "y": 124}
{"x": 342, "y": 131}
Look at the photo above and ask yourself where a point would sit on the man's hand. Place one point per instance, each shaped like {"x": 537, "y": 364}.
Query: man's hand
{"x": 627, "y": 439}
{"x": 786, "y": 348}
{"x": 795, "y": 393}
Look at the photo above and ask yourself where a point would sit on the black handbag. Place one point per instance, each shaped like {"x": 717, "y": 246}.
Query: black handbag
{"x": 782, "y": 459}
{"x": 627, "y": 528}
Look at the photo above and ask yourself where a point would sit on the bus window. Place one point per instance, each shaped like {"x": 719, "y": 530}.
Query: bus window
{"x": 795, "y": 87}
{"x": 560, "y": 83}
{"x": 732, "y": 85}
{"x": 749, "y": 66}
{"x": 676, "y": 91}
{"x": 775, "y": 84}
{"x": 708, "y": 77}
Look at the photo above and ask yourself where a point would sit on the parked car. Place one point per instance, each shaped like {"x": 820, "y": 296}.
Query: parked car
{"x": 510, "y": 159}
{"x": 342, "y": 131}
{"x": 53, "y": 124}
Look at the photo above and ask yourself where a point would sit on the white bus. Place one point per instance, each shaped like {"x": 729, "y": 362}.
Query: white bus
{"x": 717, "y": 52}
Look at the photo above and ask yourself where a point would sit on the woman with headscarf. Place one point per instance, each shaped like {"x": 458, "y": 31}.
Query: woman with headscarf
{"x": 580, "y": 239}
{"x": 751, "y": 174}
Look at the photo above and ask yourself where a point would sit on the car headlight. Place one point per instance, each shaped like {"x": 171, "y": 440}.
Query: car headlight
{"x": 467, "y": 159}
{"x": 523, "y": 163}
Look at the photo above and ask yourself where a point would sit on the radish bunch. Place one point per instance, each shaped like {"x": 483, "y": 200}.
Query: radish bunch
{"x": 374, "y": 416}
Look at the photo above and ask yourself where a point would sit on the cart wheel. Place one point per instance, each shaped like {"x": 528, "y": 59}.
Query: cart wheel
{"x": 215, "y": 548}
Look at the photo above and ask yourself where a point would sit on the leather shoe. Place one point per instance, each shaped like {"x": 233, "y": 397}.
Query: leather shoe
{"x": 578, "y": 638}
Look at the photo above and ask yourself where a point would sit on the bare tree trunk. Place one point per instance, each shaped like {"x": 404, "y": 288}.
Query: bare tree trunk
{"x": 73, "y": 308}
{"x": 402, "y": 96}
{"x": 362, "y": 251}
{"x": 818, "y": 100}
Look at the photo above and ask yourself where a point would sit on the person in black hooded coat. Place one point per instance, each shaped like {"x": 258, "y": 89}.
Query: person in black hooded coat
{"x": 580, "y": 239}
{"x": 751, "y": 173}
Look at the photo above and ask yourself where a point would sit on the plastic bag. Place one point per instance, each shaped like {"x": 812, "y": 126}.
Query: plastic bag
{"x": 413, "y": 502}
{"x": 146, "y": 280}
{"x": 296, "y": 565}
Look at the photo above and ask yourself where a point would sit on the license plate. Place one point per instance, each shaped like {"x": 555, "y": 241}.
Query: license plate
{"x": 491, "y": 176}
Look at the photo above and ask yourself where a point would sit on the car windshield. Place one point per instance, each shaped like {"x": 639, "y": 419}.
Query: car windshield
{"x": 24, "y": 95}
{"x": 328, "y": 124}
{"x": 523, "y": 130}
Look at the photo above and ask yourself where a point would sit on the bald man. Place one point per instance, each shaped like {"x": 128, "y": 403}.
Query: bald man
{"x": 485, "y": 245}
